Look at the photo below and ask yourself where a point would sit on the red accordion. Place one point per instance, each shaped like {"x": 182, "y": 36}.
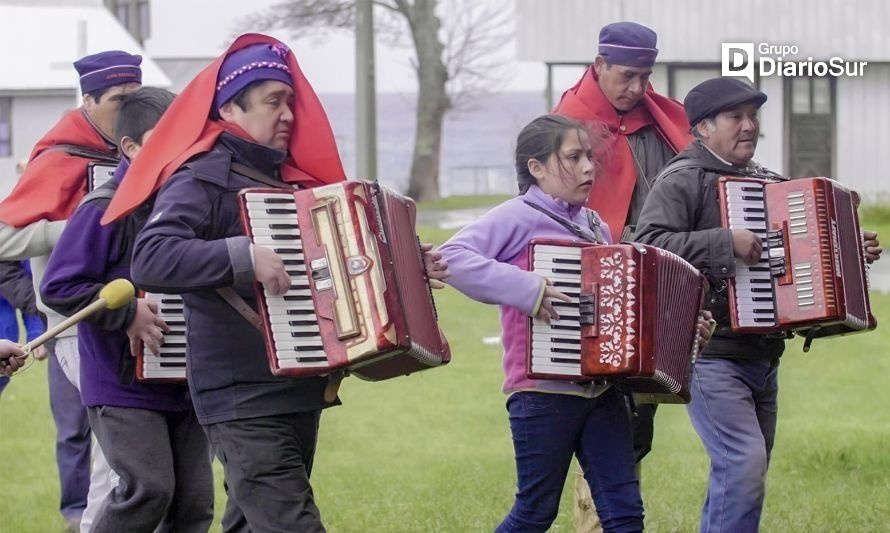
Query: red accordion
{"x": 632, "y": 318}
{"x": 812, "y": 277}
{"x": 169, "y": 364}
{"x": 359, "y": 297}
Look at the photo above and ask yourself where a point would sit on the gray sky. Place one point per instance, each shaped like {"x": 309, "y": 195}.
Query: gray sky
{"x": 329, "y": 64}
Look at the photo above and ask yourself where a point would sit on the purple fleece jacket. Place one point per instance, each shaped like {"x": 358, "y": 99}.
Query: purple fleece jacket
{"x": 488, "y": 261}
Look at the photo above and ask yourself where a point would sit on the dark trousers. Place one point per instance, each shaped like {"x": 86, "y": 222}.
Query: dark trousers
{"x": 267, "y": 463}
{"x": 643, "y": 424}
{"x": 548, "y": 429}
{"x": 163, "y": 460}
{"x": 72, "y": 440}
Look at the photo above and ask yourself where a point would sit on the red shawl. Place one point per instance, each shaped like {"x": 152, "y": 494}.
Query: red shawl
{"x": 54, "y": 181}
{"x": 186, "y": 130}
{"x": 613, "y": 189}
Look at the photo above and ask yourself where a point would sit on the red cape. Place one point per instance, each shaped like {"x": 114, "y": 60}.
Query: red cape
{"x": 186, "y": 130}
{"x": 54, "y": 181}
{"x": 612, "y": 191}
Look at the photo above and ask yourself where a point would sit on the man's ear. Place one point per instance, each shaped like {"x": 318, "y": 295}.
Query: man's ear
{"x": 227, "y": 111}
{"x": 129, "y": 147}
{"x": 703, "y": 130}
{"x": 599, "y": 65}
{"x": 536, "y": 169}
{"x": 88, "y": 102}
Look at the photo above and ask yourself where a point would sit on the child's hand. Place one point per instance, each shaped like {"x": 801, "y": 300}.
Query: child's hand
{"x": 40, "y": 353}
{"x": 147, "y": 327}
{"x": 436, "y": 269}
{"x": 547, "y": 312}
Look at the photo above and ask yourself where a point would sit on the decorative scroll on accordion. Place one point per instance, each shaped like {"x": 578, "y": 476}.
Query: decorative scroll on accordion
{"x": 359, "y": 297}
{"x": 632, "y": 318}
{"x": 812, "y": 276}
{"x": 169, "y": 364}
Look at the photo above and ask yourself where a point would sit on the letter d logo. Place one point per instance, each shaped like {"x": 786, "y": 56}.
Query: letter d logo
{"x": 738, "y": 59}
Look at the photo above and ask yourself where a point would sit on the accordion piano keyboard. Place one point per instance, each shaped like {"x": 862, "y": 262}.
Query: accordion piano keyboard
{"x": 556, "y": 348}
{"x": 297, "y": 338}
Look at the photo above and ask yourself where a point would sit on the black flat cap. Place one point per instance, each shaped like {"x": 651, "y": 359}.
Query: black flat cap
{"x": 712, "y": 96}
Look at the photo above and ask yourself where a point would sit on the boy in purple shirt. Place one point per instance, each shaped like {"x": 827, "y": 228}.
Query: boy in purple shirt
{"x": 149, "y": 432}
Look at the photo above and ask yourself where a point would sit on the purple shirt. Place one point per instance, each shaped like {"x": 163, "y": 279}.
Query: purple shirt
{"x": 488, "y": 261}
{"x": 87, "y": 256}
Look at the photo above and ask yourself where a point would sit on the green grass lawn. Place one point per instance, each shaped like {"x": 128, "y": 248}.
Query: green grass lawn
{"x": 432, "y": 451}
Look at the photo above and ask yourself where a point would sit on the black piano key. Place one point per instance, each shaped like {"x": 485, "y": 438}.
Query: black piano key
{"x": 302, "y": 323}
{"x": 564, "y": 327}
{"x": 564, "y": 350}
{"x": 563, "y": 361}
{"x": 565, "y": 271}
{"x": 299, "y": 334}
{"x": 560, "y": 340}
{"x": 287, "y": 250}
{"x": 297, "y": 298}
{"x": 281, "y": 211}
{"x": 278, "y": 200}
{"x": 285, "y": 238}
{"x": 566, "y": 261}
{"x": 284, "y": 226}
{"x": 310, "y": 348}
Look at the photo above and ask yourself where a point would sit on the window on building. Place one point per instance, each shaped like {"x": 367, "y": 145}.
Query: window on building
{"x": 683, "y": 78}
{"x": 5, "y": 127}
{"x": 144, "y": 14}
{"x": 811, "y": 121}
{"x": 122, "y": 12}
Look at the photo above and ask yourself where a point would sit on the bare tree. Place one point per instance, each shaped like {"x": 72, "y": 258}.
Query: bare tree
{"x": 457, "y": 56}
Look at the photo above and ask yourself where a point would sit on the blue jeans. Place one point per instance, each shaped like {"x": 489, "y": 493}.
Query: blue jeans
{"x": 72, "y": 440}
{"x": 733, "y": 410}
{"x": 548, "y": 429}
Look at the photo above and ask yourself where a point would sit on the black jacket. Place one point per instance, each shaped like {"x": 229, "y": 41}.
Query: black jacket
{"x": 192, "y": 244}
{"x": 682, "y": 215}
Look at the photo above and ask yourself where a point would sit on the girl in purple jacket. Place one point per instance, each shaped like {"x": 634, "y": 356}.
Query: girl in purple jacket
{"x": 551, "y": 421}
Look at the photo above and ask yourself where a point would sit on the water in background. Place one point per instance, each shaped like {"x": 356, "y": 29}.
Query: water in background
{"x": 477, "y": 146}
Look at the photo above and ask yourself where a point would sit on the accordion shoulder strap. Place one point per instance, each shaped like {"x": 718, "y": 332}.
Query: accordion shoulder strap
{"x": 681, "y": 164}
{"x": 237, "y": 302}
{"x": 83, "y": 151}
{"x": 105, "y": 192}
{"x": 256, "y": 175}
{"x": 593, "y": 235}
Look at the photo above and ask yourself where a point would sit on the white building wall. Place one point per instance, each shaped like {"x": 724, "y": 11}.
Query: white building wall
{"x": 863, "y": 132}
{"x": 692, "y": 30}
{"x": 32, "y": 116}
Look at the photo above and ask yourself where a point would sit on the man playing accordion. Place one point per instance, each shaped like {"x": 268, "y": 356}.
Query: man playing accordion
{"x": 734, "y": 385}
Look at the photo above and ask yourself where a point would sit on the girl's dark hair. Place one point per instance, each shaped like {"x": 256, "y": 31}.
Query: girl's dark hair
{"x": 139, "y": 112}
{"x": 542, "y": 138}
